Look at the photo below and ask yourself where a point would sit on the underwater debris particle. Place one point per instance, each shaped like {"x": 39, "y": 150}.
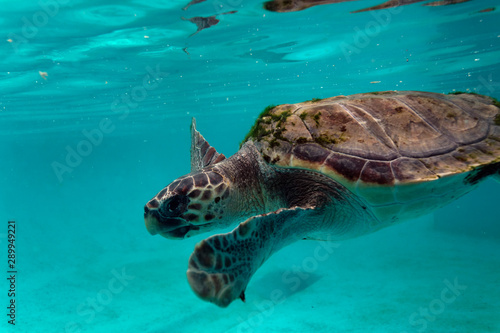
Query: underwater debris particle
{"x": 43, "y": 75}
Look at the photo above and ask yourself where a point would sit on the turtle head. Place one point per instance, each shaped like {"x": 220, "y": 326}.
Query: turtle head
{"x": 190, "y": 205}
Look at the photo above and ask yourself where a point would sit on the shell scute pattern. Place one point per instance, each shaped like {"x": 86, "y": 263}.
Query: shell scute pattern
{"x": 384, "y": 138}
{"x": 393, "y": 149}
{"x": 409, "y": 169}
{"x": 456, "y": 120}
{"x": 368, "y": 140}
{"x": 378, "y": 172}
{"x": 348, "y": 167}
{"x": 311, "y": 152}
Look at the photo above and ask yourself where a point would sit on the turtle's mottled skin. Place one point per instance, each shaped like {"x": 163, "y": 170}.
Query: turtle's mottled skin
{"x": 327, "y": 169}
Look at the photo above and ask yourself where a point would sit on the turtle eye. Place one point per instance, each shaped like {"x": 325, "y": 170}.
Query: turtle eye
{"x": 174, "y": 206}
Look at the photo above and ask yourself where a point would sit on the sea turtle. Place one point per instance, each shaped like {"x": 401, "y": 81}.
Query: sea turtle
{"x": 327, "y": 169}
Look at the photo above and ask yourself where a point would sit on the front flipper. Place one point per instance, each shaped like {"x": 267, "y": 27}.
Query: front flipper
{"x": 222, "y": 265}
{"x": 202, "y": 154}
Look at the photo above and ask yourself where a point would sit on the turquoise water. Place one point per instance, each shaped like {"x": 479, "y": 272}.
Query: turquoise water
{"x": 96, "y": 102}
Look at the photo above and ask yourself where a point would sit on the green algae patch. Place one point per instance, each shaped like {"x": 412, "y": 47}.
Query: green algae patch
{"x": 267, "y": 110}
{"x": 258, "y": 131}
{"x": 280, "y": 118}
{"x": 316, "y": 118}
{"x": 277, "y": 135}
{"x": 324, "y": 140}
{"x": 497, "y": 104}
{"x": 268, "y": 116}
{"x": 497, "y": 119}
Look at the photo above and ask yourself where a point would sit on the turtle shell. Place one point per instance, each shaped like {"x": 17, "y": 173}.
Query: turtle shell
{"x": 398, "y": 151}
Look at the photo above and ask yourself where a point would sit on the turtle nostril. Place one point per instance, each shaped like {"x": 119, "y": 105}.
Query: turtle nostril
{"x": 146, "y": 210}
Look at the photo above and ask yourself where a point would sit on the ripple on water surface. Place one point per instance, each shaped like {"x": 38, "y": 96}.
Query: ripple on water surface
{"x": 111, "y": 15}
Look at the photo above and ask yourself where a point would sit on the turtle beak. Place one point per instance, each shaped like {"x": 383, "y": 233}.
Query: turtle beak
{"x": 174, "y": 228}
{"x": 150, "y": 210}
{"x": 151, "y": 222}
